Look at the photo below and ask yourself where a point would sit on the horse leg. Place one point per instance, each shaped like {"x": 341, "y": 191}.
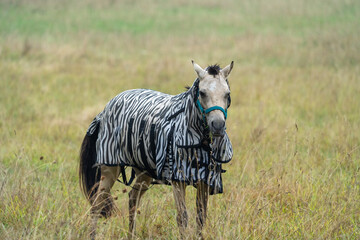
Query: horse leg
{"x": 140, "y": 187}
{"x": 182, "y": 216}
{"x": 102, "y": 203}
{"x": 201, "y": 205}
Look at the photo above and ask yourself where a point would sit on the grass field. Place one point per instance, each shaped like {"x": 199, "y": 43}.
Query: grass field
{"x": 294, "y": 120}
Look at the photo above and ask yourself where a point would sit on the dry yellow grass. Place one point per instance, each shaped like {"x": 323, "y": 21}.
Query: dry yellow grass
{"x": 294, "y": 119}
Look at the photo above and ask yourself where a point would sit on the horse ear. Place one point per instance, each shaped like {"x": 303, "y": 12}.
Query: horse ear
{"x": 226, "y": 70}
{"x": 200, "y": 72}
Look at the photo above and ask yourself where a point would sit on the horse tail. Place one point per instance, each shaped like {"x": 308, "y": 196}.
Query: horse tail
{"x": 89, "y": 176}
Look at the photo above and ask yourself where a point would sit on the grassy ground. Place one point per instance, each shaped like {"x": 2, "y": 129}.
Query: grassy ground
{"x": 294, "y": 119}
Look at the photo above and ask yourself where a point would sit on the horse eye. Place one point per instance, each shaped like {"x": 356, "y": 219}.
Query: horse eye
{"x": 202, "y": 94}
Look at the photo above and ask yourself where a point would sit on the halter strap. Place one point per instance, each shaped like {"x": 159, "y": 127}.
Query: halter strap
{"x": 217, "y": 108}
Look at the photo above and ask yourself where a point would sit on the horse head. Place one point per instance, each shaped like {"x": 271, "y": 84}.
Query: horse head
{"x": 213, "y": 96}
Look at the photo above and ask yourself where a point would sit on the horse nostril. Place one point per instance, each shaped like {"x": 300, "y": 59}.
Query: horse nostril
{"x": 218, "y": 124}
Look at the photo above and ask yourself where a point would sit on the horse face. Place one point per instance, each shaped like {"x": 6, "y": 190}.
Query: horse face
{"x": 214, "y": 91}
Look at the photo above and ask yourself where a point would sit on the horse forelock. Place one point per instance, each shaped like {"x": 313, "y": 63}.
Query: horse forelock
{"x": 213, "y": 69}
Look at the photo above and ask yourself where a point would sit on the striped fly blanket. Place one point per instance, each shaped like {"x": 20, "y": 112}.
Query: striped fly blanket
{"x": 162, "y": 134}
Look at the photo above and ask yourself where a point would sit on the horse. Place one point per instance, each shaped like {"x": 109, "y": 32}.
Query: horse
{"x": 179, "y": 140}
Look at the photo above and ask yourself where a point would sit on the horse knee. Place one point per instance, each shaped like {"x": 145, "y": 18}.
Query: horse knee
{"x": 182, "y": 219}
{"x": 103, "y": 203}
{"x": 133, "y": 197}
{"x": 132, "y": 202}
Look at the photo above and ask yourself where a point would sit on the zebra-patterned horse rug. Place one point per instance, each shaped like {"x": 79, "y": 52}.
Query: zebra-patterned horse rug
{"x": 164, "y": 135}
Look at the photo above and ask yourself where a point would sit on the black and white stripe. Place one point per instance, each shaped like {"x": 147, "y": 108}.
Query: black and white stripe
{"x": 161, "y": 134}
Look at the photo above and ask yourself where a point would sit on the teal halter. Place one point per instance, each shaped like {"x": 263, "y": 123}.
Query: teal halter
{"x": 206, "y": 111}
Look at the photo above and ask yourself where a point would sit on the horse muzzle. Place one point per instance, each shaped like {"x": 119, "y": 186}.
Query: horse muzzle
{"x": 217, "y": 127}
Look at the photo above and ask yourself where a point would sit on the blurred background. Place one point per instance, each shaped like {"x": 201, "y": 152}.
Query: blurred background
{"x": 294, "y": 120}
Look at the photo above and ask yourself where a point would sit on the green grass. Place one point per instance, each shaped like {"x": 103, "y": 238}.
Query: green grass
{"x": 294, "y": 119}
